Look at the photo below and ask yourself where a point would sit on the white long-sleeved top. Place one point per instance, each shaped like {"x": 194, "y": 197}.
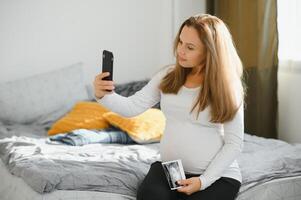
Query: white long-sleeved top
{"x": 205, "y": 148}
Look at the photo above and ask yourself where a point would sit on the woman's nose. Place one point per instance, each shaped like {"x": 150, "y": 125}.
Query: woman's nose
{"x": 181, "y": 51}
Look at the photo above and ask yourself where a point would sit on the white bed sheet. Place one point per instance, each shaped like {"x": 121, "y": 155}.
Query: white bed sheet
{"x": 14, "y": 188}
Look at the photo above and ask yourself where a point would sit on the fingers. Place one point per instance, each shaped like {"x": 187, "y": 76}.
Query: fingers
{"x": 187, "y": 189}
{"x": 184, "y": 182}
{"x": 104, "y": 83}
{"x": 190, "y": 185}
{"x": 107, "y": 87}
{"x": 103, "y": 88}
{"x": 102, "y": 75}
{"x": 185, "y": 185}
{"x": 184, "y": 190}
{"x": 98, "y": 82}
{"x": 99, "y": 77}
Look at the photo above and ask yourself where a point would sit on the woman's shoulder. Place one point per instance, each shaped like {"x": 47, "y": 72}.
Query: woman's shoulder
{"x": 160, "y": 74}
{"x": 165, "y": 70}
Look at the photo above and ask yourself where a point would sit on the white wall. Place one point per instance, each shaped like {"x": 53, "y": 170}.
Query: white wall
{"x": 186, "y": 8}
{"x": 289, "y": 97}
{"x": 38, "y": 36}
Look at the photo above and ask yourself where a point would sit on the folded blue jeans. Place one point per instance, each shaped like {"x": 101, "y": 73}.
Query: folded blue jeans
{"x": 81, "y": 137}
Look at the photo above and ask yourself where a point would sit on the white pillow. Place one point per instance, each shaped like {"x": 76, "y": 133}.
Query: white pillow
{"x": 26, "y": 100}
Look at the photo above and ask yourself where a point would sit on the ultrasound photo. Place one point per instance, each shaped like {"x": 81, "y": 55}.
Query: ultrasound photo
{"x": 174, "y": 171}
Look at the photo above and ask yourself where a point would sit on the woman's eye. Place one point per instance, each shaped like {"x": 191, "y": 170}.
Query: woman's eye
{"x": 190, "y": 48}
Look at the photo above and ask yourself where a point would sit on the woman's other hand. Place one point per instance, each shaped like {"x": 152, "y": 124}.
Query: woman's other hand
{"x": 190, "y": 185}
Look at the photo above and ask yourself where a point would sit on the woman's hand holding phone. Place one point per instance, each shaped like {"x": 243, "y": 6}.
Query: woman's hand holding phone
{"x": 103, "y": 83}
{"x": 102, "y": 87}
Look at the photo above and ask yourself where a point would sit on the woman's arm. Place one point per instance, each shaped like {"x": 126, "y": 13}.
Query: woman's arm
{"x": 136, "y": 104}
{"x": 233, "y": 143}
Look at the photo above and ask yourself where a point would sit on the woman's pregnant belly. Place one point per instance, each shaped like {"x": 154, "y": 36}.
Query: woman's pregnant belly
{"x": 195, "y": 144}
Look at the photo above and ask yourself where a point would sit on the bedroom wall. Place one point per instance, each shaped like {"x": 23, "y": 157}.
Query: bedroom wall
{"x": 289, "y": 97}
{"x": 38, "y": 36}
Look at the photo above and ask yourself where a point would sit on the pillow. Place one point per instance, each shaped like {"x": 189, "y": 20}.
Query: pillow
{"x": 124, "y": 89}
{"x": 84, "y": 115}
{"x": 130, "y": 88}
{"x": 26, "y": 100}
{"x": 145, "y": 128}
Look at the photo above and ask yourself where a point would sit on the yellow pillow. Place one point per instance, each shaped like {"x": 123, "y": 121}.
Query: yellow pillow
{"x": 87, "y": 115}
{"x": 147, "y": 127}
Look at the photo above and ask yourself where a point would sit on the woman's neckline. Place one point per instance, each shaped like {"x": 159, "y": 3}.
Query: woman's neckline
{"x": 192, "y": 88}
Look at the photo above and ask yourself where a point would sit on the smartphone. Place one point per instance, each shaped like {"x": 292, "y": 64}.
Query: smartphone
{"x": 107, "y": 64}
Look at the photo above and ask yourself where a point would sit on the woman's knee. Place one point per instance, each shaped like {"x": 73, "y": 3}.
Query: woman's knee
{"x": 154, "y": 185}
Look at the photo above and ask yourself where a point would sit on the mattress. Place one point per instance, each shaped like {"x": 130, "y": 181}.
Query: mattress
{"x": 15, "y": 188}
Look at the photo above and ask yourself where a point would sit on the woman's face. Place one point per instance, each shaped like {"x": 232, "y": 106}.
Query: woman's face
{"x": 190, "y": 49}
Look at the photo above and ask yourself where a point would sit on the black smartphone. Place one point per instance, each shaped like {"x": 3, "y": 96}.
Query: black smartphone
{"x": 107, "y": 64}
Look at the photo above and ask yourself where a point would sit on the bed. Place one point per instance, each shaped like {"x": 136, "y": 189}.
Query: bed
{"x": 30, "y": 168}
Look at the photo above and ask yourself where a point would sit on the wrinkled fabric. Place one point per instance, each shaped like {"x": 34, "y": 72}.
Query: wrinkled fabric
{"x": 81, "y": 137}
{"x": 96, "y": 167}
{"x": 121, "y": 168}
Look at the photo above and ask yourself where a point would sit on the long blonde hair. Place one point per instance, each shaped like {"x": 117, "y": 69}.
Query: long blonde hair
{"x": 222, "y": 72}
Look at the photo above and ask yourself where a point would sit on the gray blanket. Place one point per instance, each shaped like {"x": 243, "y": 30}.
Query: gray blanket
{"x": 121, "y": 168}
{"x": 267, "y": 159}
{"x": 98, "y": 167}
